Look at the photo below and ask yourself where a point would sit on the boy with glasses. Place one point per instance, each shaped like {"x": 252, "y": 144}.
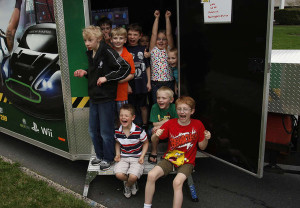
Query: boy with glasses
{"x": 184, "y": 135}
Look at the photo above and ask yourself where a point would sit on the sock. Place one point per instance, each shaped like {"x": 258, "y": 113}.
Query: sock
{"x": 147, "y": 205}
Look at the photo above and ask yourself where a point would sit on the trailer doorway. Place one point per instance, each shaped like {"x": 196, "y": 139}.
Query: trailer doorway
{"x": 223, "y": 66}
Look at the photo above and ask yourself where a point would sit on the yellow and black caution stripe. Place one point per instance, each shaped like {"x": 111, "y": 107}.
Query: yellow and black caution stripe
{"x": 80, "y": 102}
{"x": 3, "y": 98}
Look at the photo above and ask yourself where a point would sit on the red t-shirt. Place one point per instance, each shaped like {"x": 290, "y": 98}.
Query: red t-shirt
{"x": 183, "y": 138}
{"x": 122, "y": 91}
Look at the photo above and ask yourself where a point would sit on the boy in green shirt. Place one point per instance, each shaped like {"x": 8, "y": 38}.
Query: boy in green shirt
{"x": 161, "y": 112}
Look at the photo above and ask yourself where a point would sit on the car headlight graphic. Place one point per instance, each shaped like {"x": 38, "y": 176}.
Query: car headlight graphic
{"x": 45, "y": 84}
{"x": 5, "y": 68}
{"x": 3, "y": 49}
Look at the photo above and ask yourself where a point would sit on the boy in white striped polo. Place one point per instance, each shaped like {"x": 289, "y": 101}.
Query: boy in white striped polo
{"x": 131, "y": 147}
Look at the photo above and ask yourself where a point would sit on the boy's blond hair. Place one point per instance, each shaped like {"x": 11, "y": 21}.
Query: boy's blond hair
{"x": 119, "y": 31}
{"x": 167, "y": 90}
{"x": 173, "y": 50}
{"x": 90, "y": 31}
{"x": 186, "y": 100}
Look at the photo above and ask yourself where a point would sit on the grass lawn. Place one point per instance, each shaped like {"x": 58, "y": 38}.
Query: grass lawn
{"x": 286, "y": 37}
{"x": 20, "y": 190}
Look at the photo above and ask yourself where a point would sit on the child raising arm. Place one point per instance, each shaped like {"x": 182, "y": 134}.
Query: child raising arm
{"x": 161, "y": 41}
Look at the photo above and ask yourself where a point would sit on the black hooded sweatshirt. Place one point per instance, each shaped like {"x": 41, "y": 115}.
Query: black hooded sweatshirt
{"x": 106, "y": 63}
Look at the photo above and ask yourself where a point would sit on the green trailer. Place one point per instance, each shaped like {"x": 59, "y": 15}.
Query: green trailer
{"x": 41, "y": 102}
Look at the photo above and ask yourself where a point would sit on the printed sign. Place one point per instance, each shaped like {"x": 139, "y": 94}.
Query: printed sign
{"x": 217, "y": 11}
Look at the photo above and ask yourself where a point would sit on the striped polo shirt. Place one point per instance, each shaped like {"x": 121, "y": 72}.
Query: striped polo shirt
{"x": 132, "y": 145}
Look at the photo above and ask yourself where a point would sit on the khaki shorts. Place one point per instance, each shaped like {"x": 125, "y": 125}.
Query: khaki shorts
{"x": 168, "y": 167}
{"x": 129, "y": 165}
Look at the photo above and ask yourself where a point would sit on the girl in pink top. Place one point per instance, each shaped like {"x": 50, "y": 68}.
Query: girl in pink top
{"x": 161, "y": 41}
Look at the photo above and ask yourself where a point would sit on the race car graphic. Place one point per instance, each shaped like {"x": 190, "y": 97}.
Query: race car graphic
{"x": 31, "y": 75}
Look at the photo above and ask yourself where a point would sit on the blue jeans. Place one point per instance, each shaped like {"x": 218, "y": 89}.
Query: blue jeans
{"x": 101, "y": 129}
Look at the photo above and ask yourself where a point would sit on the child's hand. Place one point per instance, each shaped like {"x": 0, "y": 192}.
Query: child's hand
{"x": 149, "y": 86}
{"x": 207, "y": 134}
{"x": 117, "y": 158}
{"x": 106, "y": 36}
{"x": 101, "y": 80}
{"x": 159, "y": 132}
{"x": 141, "y": 160}
{"x": 156, "y": 14}
{"x": 146, "y": 54}
{"x": 80, "y": 73}
{"x": 154, "y": 129}
{"x": 168, "y": 14}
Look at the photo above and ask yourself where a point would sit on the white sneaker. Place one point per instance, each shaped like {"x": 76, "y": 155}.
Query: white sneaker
{"x": 134, "y": 188}
{"x": 126, "y": 191}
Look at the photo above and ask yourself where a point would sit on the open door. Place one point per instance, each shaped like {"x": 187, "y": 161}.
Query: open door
{"x": 224, "y": 57}
{"x": 223, "y": 66}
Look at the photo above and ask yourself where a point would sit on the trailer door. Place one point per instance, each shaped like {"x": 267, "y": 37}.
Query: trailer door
{"x": 223, "y": 66}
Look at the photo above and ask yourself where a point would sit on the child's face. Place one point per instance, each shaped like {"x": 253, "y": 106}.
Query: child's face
{"x": 118, "y": 41}
{"x": 144, "y": 41}
{"x": 91, "y": 43}
{"x": 105, "y": 29}
{"x": 161, "y": 41}
{"x": 172, "y": 59}
{"x": 126, "y": 118}
{"x": 184, "y": 113}
{"x": 163, "y": 100}
{"x": 133, "y": 37}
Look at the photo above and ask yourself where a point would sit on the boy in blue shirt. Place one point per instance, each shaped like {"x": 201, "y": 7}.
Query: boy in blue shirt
{"x": 140, "y": 85}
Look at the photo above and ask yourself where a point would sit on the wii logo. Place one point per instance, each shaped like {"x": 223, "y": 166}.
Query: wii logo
{"x": 45, "y": 131}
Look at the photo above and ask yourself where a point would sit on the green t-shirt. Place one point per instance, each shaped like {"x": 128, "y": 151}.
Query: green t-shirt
{"x": 158, "y": 114}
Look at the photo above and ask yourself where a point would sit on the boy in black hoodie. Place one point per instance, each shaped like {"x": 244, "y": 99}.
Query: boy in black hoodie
{"x": 106, "y": 68}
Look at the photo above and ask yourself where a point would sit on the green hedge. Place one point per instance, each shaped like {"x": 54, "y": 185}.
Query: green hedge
{"x": 289, "y": 16}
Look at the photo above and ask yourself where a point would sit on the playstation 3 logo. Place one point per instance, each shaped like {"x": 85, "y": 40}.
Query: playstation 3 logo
{"x": 35, "y": 127}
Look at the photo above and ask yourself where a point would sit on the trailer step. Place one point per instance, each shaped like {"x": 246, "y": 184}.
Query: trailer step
{"x": 94, "y": 170}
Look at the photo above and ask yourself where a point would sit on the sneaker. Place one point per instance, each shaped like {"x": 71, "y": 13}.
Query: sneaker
{"x": 104, "y": 165}
{"x": 96, "y": 161}
{"x": 126, "y": 191}
{"x": 134, "y": 188}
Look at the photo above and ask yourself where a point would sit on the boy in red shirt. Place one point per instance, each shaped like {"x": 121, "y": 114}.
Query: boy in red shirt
{"x": 184, "y": 135}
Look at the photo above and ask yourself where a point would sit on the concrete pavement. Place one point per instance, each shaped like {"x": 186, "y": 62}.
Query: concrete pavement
{"x": 217, "y": 184}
